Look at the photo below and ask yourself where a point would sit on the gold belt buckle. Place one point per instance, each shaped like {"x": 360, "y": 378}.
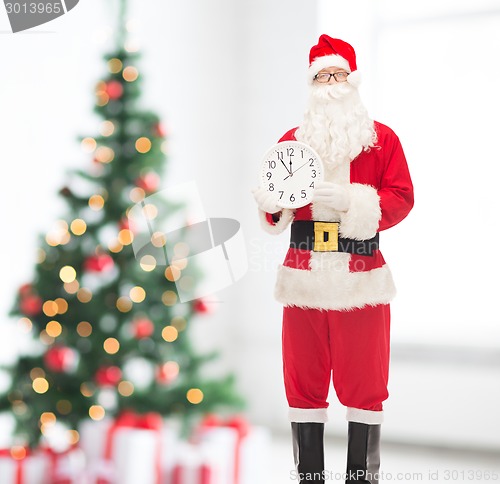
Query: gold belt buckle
{"x": 331, "y": 229}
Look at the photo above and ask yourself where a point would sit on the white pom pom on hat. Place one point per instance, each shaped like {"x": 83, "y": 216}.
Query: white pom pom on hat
{"x": 330, "y": 52}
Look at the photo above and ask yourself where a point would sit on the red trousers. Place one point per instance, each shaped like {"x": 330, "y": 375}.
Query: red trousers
{"x": 350, "y": 346}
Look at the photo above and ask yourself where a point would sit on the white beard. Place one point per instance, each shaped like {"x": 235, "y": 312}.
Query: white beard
{"x": 336, "y": 124}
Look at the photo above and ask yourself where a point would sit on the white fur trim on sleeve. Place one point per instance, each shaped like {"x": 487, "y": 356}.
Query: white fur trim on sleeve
{"x": 364, "y": 416}
{"x": 361, "y": 221}
{"x": 280, "y": 225}
{"x": 304, "y": 415}
{"x": 327, "y": 61}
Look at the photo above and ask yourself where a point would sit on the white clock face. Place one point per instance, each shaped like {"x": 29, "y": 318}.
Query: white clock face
{"x": 290, "y": 170}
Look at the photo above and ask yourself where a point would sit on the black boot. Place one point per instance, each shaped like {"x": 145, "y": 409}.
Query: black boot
{"x": 363, "y": 453}
{"x": 308, "y": 451}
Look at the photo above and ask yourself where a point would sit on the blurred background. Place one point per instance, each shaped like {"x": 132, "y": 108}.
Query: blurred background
{"x": 228, "y": 78}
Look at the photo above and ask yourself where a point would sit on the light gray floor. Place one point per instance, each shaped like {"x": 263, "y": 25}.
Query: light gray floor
{"x": 400, "y": 463}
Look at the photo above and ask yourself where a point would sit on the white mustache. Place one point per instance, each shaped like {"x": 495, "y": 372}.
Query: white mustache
{"x": 330, "y": 92}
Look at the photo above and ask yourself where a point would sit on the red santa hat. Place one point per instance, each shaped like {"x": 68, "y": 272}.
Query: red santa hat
{"x": 330, "y": 52}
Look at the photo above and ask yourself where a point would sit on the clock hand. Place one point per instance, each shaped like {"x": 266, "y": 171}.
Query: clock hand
{"x": 301, "y": 166}
{"x": 289, "y": 171}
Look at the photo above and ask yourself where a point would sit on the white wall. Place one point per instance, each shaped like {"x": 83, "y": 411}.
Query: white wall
{"x": 415, "y": 58}
{"x": 252, "y": 58}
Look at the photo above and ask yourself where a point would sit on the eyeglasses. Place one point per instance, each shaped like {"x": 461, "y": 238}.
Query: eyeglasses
{"x": 324, "y": 77}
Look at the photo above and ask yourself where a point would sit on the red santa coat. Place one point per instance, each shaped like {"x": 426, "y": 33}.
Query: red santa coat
{"x": 381, "y": 195}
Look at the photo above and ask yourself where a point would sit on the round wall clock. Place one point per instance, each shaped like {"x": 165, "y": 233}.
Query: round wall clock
{"x": 290, "y": 171}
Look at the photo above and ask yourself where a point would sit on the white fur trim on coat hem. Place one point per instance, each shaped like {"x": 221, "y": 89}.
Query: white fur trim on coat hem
{"x": 334, "y": 289}
{"x": 364, "y": 416}
{"x": 362, "y": 219}
{"x": 304, "y": 415}
{"x": 280, "y": 225}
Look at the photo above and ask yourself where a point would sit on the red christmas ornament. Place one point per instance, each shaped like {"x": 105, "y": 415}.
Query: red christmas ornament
{"x": 124, "y": 224}
{"x": 114, "y": 90}
{"x": 98, "y": 263}
{"x": 142, "y": 328}
{"x": 31, "y": 305}
{"x": 60, "y": 359}
{"x": 108, "y": 376}
{"x": 202, "y": 306}
{"x": 167, "y": 373}
{"x": 159, "y": 130}
{"x": 149, "y": 182}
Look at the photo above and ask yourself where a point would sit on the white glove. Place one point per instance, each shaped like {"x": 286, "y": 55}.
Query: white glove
{"x": 265, "y": 200}
{"x": 332, "y": 194}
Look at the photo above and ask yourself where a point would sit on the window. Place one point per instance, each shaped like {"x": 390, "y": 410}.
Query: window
{"x": 433, "y": 72}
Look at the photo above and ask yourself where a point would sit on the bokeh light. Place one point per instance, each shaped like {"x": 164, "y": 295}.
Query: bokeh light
{"x": 143, "y": 145}
{"x": 49, "y": 308}
{"x": 194, "y": 396}
{"x": 89, "y": 145}
{"x": 130, "y": 73}
{"x": 40, "y": 385}
{"x": 148, "y": 263}
{"x": 25, "y": 324}
{"x": 96, "y": 202}
{"x": 78, "y": 226}
{"x": 137, "y": 194}
{"x": 67, "y": 274}
{"x": 62, "y": 304}
{"x": 104, "y": 154}
{"x": 124, "y": 304}
{"x": 115, "y": 65}
{"x": 84, "y": 329}
{"x": 107, "y": 128}
{"x": 53, "y": 329}
{"x": 84, "y": 295}
{"x": 96, "y": 412}
{"x": 169, "y": 298}
{"x": 172, "y": 273}
{"x": 111, "y": 346}
{"x": 125, "y": 237}
{"x": 125, "y": 388}
{"x": 137, "y": 294}
{"x": 169, "y": 333}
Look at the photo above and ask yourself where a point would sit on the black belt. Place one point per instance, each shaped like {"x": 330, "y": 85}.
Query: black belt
{"x": 324, "y": 237}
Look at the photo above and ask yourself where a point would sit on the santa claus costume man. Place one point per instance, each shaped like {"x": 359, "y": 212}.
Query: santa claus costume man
{"x": 336, "y": 317}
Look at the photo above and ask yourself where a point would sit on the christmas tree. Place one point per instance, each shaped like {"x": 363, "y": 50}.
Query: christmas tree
{"x": 108, "y": 330}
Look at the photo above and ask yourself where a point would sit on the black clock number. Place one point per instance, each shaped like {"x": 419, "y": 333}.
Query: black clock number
{"x": 271, "y": 187}
{"x": 289, "y": 153}
{"x": 292, "y": 198}
{"x": 303, "y": 194}
{"x": 280, "y": 155}
{"x": 313, "y": 174}
{"x": 281, "y": 194}
{"x": 302, "y": 153}
{"x": 311, "y": 185}
{"x": 312, "y": 161}
{"x": 272, "y": 164}
{"x": 269, "y": 175}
